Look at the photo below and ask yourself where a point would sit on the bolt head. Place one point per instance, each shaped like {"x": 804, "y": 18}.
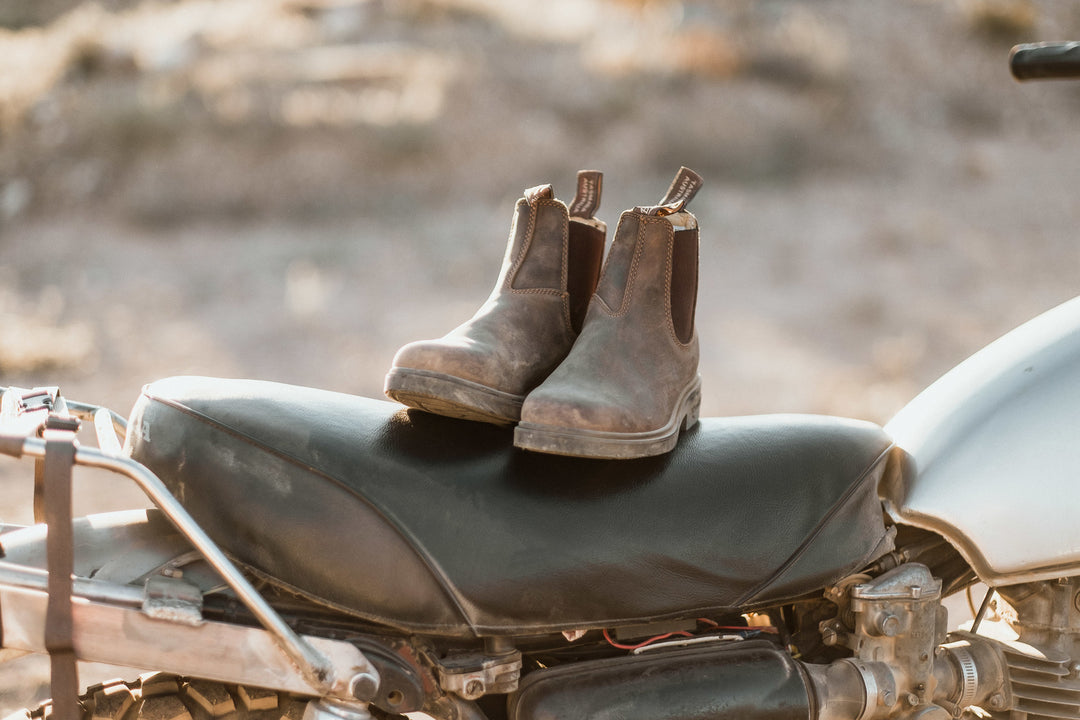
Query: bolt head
{"x": 364, "y": 686}
{"x": 997, "y": 701}
{"x": 474, "y": 689}
{"x": 889, "y": 625}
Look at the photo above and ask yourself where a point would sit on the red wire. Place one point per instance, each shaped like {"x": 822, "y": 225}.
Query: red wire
{"x": 611, "y": 642}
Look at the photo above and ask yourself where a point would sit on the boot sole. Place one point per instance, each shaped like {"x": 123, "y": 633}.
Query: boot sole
{"x": 452, "y": 396}
{"x": 613, "y": 445}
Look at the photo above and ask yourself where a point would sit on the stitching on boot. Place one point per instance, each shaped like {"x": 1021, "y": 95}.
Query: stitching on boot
{"x": 536, "y": 291}
{"x": 534, "y": 210}
{"x": 562, "y": 295}
{"x": 631, "y": 275}
{"x": 508, "y": 284}
{"x": 564, "y": 271}
{"x": 669, "y": 262}
{"x": 670, "y": 236}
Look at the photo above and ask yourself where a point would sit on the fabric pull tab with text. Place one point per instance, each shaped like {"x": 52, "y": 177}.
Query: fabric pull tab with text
{"x": 590, "y": 184}
{"x": 683, "y": 188}
{"x": 679, "y": 194}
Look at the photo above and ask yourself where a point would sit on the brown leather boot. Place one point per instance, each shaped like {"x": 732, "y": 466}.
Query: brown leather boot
{"x": 483, "y": 369}
{"x": 630, "y": 382}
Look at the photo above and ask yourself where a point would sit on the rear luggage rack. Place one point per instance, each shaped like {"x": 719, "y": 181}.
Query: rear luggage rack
{"x": 24, "y": 413}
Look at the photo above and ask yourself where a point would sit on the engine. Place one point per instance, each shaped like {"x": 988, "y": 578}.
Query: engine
{"x": 893, "y": 659}
{"x": 1044, "y": 663}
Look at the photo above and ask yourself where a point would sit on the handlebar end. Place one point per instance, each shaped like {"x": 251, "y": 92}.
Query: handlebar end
{"x": 1045, "y": 61}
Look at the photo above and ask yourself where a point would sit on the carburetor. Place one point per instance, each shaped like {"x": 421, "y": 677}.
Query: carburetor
{"x": 895, "y": 626}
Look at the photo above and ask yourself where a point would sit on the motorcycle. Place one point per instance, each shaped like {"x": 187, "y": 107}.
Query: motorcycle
{"x": 322, "y": 556}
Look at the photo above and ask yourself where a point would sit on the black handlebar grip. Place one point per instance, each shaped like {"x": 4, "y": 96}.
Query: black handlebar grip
{"x": 1046, "y": 61}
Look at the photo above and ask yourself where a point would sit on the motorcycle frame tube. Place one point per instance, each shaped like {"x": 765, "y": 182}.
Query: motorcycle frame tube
{"x": 314, "y": 666}
{"x": 106, "y": 423}
{"x": 110, "y": 627}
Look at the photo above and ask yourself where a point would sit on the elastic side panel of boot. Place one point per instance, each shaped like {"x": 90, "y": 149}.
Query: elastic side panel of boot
{"x": 583, "y": 268}
{"x": 684, "y": 283}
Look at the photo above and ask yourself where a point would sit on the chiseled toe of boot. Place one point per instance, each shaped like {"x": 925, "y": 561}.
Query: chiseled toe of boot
{"x": 443, "y": 377}
{"x": 582, "y": 423}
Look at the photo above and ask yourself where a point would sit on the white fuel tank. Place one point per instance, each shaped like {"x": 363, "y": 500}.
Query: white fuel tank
{"x": 993, "y": 454}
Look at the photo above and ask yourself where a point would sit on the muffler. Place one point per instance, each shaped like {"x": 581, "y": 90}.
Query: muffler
{"x": 743, "y": 681}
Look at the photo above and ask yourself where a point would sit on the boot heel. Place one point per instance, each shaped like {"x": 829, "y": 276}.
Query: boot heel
{"x": 693, "y": 409}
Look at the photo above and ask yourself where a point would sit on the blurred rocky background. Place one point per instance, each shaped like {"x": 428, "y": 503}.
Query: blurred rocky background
{"x": 292, "y": 189}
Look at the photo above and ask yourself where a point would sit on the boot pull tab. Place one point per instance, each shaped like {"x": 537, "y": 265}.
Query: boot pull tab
{"x": 540, "y": 192}
{"x": 679, "y": 194}
{"x": 590, "y": 184}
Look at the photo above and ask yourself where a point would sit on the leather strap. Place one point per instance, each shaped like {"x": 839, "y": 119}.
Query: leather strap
{"x": 39, "y": 491}
{"x": 56, "y": 473}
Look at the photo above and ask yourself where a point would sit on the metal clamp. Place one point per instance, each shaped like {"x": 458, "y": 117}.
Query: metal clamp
{"x": 969, "y": 675}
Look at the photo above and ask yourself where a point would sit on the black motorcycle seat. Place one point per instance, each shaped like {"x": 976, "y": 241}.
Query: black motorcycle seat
{"x": 441, "y": 526}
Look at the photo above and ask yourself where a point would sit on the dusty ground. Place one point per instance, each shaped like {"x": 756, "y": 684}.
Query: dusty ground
{"x": 291, "y": 190}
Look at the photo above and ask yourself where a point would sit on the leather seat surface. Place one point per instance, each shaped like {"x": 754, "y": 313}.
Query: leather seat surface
{"x": 441, "y": 526}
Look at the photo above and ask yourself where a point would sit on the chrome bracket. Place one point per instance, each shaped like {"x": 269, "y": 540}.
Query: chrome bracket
{"x": 473, "y": 676}
{"x": 174, "y": 600}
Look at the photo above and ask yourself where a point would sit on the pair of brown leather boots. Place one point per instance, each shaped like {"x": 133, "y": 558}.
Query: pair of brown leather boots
{"x": 591, "y": 357}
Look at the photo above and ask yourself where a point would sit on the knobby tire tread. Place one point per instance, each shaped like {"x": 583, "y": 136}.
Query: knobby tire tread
{"x": 161, "y": 696}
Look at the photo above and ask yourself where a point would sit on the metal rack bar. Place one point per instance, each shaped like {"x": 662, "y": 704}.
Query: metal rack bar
{"x": 314, "y": 665}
